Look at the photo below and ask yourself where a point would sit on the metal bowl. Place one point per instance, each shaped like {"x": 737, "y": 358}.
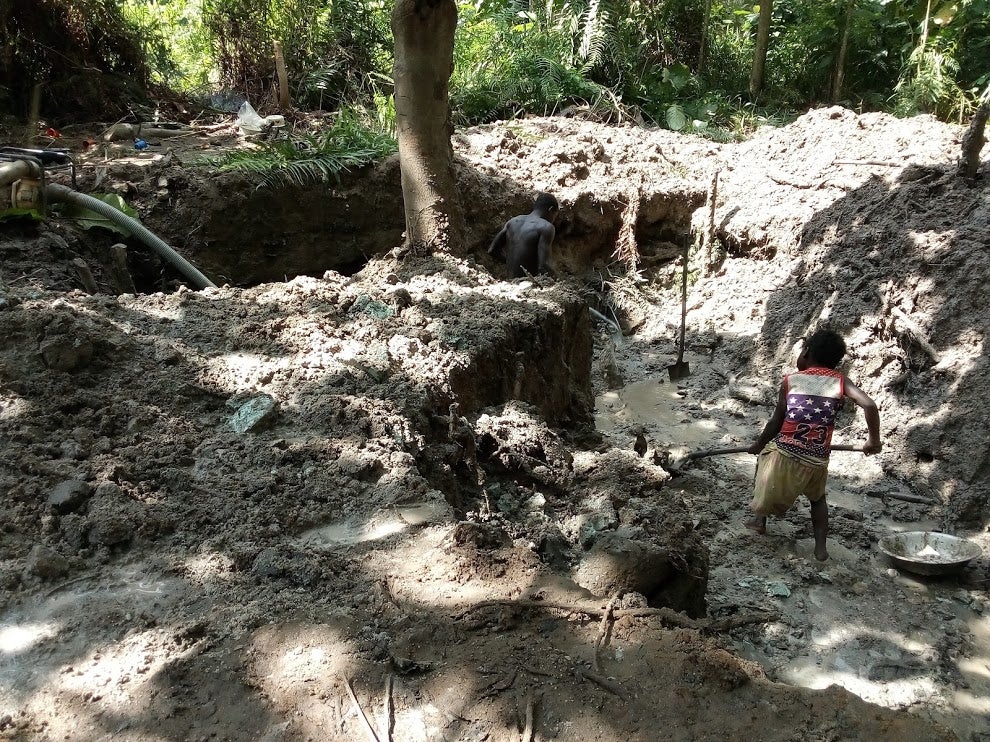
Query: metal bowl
{"x": 928, "y": 552}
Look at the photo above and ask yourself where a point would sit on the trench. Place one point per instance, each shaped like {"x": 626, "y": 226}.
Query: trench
{"x": 258, "y": 237}
{"x": 835, "y": 648}
{"x": 243, "y": 235}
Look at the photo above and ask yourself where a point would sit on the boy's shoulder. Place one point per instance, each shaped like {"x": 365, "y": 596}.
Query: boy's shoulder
{"x": 820, "y": 371}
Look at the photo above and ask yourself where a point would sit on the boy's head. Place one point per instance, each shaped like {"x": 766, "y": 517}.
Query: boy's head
{"x": 546, "y": 203}
{"x": 823, "y": 348}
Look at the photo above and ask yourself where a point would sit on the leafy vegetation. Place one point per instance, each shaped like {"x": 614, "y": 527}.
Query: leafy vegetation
{"x": 88, "y": 219}
{"x": 337, "y": 48}
{"x": 351, "y": 142}
{"x": 68, "y": 55}
{"x": 682, "y": 64}
{"x": 174, "y": 41}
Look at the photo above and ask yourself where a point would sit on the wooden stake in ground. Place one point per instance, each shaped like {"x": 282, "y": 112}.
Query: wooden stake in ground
{"x": 34, "y": 112}
{"x": 283, "y": 77}
{"x": 388, "y": 708}
{"x": 530, "y": 730}
{"x": 709, "y": 235}
{"x": 85, "y": 275}
{"x": 121, "y": 276}
{"x": 604, "y": 631}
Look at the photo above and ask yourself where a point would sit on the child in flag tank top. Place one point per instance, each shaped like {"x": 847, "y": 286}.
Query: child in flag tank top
{"x": 794, "y": 446}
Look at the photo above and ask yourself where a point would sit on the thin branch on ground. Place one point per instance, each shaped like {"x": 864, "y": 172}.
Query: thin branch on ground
{"x": 667, "y": 616}
{"x": 367, "y": 724}
{"x": 605, "y": 630}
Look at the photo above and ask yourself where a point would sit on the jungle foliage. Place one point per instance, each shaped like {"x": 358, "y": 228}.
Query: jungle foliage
{"x": 683, "y": 64}
{"x": 81, "y": 56}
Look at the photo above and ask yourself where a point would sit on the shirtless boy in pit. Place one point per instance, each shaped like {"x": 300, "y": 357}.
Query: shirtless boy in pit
{"x": 527, "y": 239}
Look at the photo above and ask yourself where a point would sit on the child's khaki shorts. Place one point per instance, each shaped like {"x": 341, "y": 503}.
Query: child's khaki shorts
{"x": 780, "y": 479}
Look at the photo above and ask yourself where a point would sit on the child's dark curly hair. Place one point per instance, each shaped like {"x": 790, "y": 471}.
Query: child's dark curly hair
{"x": 825, "y": 347}
{"x": 547, "y": 202}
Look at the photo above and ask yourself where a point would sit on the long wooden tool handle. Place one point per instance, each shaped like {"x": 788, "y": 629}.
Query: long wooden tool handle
{"x": 743, "y": 449}
{"x": 684, "y": 276}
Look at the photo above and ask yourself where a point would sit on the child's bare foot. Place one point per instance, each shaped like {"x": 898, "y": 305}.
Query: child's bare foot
{"x": 758, "y": 523}
{"x": 821, "y": 553}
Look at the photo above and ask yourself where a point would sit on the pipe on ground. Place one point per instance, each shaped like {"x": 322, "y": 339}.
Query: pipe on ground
{"x": 11, "y": 171}
{"x": 56, "y": 192}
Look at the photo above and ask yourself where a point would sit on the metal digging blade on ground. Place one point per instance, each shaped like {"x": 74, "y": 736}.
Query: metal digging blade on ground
{"x": 681, "y": 369}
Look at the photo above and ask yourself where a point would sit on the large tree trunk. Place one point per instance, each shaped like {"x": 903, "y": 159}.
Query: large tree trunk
{"x": 424, "y": 61}
{"x": 760, "y": 54}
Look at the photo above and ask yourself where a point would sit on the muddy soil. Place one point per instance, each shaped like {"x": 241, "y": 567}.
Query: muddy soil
{"x": 414, "y": 493}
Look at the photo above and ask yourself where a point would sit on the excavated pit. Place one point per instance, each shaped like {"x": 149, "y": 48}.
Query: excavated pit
{"x": 388, "y": 466}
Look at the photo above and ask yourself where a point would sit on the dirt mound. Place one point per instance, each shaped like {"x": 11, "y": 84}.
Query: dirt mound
{"x": 872, "y": 233}
{"x": 225, "y": 511}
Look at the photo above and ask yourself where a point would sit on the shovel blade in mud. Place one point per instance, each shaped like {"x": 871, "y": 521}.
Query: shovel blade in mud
{"x": 680, "y": 370}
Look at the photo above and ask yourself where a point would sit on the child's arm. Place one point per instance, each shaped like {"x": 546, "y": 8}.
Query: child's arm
{"x": 774, "y": 424}
{"x": 857, "y": 395}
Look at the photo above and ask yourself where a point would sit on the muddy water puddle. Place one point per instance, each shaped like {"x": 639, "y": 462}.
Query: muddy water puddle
{"x": 658, "y": 406}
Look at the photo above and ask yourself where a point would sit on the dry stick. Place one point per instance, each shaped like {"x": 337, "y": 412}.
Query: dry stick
{"x": 367, "y": 724}
{"x": 785, "y": 179}
{"x": 500, "y": 685}
{"x": 213, "y": 127}
{"x": 611, "y": 687}
{"x": 604, "y": 629}
{"x": 120, "y": 132}
{"x": 283, "y": 77}
{"x": 906, "y": 497}
{"x": 73, "y": 581}
{"x": 667, "y": 616}
{"x": 122, "y": 276}
{"x": 530, "y": 716}
{"x": 388, "y": 708}
{"x": 710, "y": 233}
{"x": 533, "y": 671}
{"x": 867, "y": 162}
{"x": 915, "y": 333}
{"x": 34, "y": 112}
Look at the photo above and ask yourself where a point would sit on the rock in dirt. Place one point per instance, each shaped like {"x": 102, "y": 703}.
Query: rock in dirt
{"x": 480, "y": 535}
{"x": 284, "y": 562}
{"x": 69, "y": 496}
{"x": 64, "y": 353}
{"x": 45, "y": 563}
{"x": 257, "y": 413}
{"x": 110, "y": 530}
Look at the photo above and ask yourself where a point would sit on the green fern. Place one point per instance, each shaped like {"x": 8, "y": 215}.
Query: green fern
{"x": 928, "y": 83}
{"x": 309, "y": 159}
{"x": 593, "y": 37}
